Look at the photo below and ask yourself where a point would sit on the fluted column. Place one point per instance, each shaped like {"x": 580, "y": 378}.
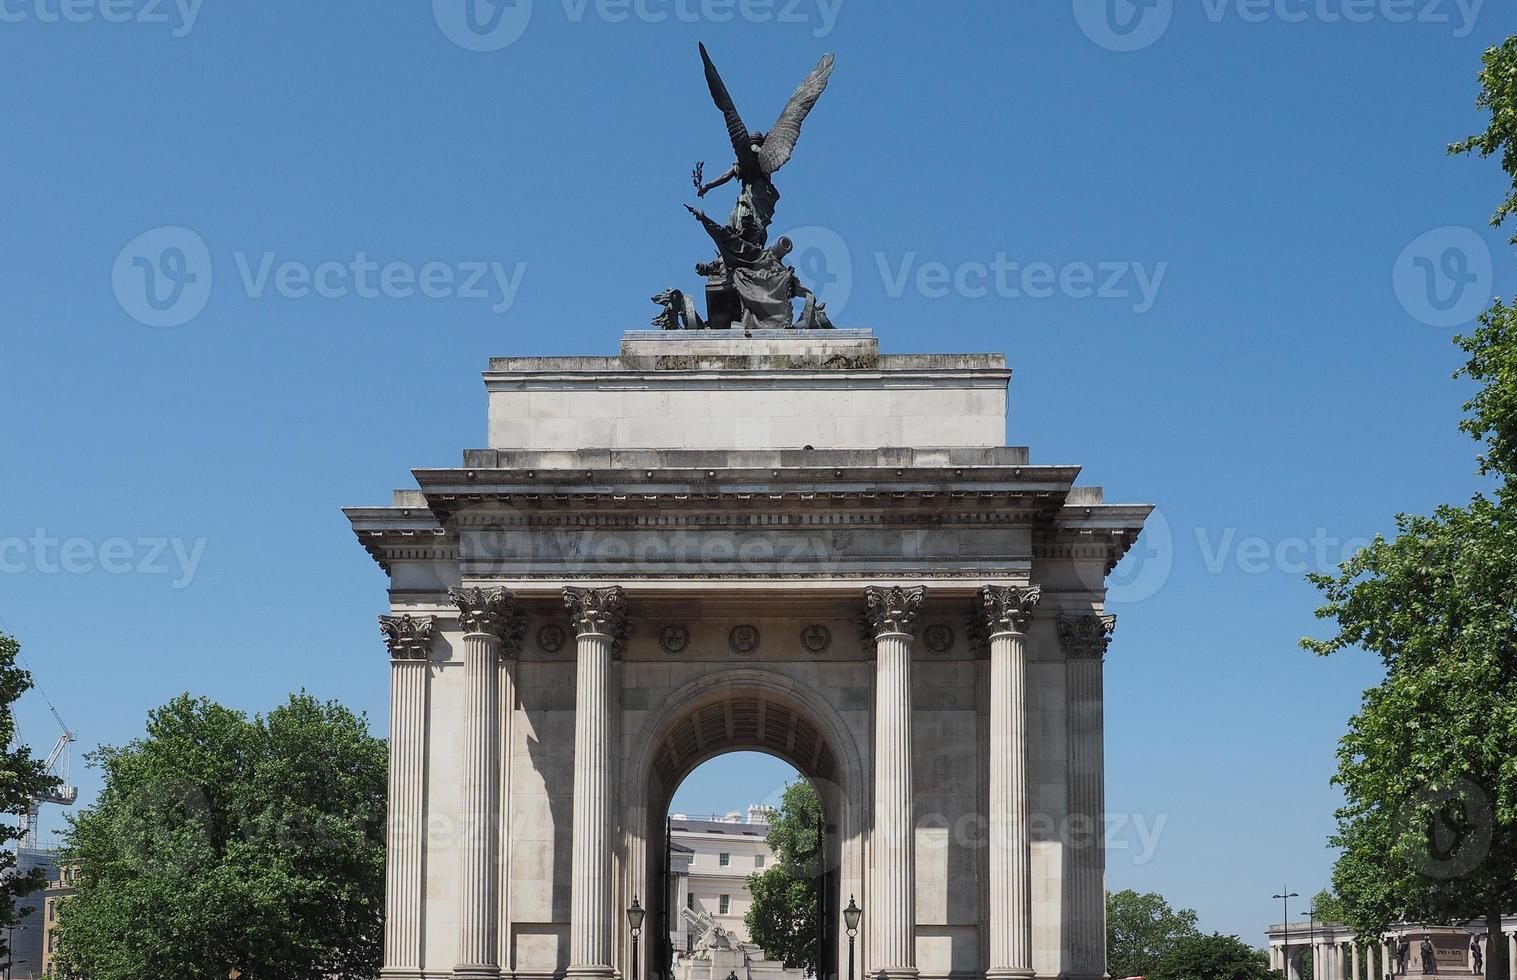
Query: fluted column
{"x": 890, "y": 621}
{"x": 1002, "y": 615}
{"x": 1084, "y": 640}
{"x": 492, "y": 629}
{"x": 599, "y": 617}
{"x": 410, "y": 643}
{"x": 1511, "y": 955}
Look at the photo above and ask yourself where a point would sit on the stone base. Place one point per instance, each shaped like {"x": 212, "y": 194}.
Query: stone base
{"x": 476, "y": 971}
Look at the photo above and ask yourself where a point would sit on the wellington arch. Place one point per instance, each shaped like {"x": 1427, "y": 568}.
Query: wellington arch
{"x": 775, "y": 541}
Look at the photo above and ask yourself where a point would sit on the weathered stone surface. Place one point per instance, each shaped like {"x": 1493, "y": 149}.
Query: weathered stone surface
{"x": 677, "y": 474}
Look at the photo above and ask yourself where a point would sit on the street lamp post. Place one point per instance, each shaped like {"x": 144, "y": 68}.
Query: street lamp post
{"x": 1311, "y": 921}
{"x": 1285, "y": 951}
{"x": 851, "y": 916}
{"x": 635, "y": 920}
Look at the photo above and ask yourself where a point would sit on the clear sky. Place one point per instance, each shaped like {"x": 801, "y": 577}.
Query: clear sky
{"x": 1208, "y": 259}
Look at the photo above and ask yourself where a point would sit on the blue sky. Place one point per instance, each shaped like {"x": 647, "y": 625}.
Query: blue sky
{"x": 1208, "y": 259}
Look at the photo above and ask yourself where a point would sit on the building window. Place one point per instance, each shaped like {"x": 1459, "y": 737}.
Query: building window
{"x": 690, "y": 901}
{"x": 724, "y": 905}
{"x": 724, "y": 859}
{"x": 758, "y": 862}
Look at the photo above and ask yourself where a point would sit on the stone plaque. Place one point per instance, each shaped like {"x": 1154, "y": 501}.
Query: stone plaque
{"x": 743, "y": 640}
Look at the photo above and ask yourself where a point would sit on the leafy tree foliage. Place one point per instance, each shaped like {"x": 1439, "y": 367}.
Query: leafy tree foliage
{"x": 1498, "y": 94}
{"x": 21, "y": 778}
{"x": 1214, "y": 957}
{"x": 226, "y": 843}
{"x": 1429, "y": 829}
{"x": 786, "y": 899}
{"x": 1142, "y": 930}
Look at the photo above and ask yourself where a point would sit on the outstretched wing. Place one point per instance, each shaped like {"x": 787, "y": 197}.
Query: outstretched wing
{"x": 780, "y": 142}
{"x": 742, "y": 142}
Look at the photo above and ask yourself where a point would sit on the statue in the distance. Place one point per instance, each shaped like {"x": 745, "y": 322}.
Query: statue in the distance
{"x": 749, "y": 282}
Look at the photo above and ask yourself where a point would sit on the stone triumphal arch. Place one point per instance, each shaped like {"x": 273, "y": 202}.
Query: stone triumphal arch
{"x": 776, "y": 541}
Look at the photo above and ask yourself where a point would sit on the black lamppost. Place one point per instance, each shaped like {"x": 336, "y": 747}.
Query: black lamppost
{"x": 1311, "y": 921}
{"x": 851, "y": 916}
{"x": 635, "y": 920}
{"x": 1285, "y": 952}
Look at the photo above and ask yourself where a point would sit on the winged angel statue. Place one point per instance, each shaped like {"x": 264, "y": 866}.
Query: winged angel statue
{"x": 747, "y": 264}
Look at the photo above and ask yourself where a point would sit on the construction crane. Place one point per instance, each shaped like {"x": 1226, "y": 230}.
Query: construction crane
{"x": 61, "y": 794}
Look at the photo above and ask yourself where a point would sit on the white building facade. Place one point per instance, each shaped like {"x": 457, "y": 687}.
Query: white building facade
{"x": 720, "y": 541}
{"x": 713, "y": 859}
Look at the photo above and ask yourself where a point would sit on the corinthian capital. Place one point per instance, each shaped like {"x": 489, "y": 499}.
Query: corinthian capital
{"x": 492, "y": 612}
{"x": 892, "y": 610}
{"x": 407, "y": 637}
{"x": 598, "y": 611}
{"x": 1086, "y": 637}
{"x": 1003, "y": 609}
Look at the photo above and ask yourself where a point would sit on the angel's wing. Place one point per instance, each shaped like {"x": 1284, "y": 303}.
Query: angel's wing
{"x": 780, "y": 142}
{"x": 742, "y": 142}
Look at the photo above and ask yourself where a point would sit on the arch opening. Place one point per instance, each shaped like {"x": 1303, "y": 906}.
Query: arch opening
{"x": 745, "y": 713}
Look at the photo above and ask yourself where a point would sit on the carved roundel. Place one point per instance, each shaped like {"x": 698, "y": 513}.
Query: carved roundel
{"x": 743, "y": 640}
{"x": 938, "y": 638}
{"x": 551, "y": 638}
{"x": 674, "y": 639}
{"x": 816, "y": 638}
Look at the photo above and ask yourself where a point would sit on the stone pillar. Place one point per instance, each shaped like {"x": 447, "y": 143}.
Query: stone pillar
{"x": 410, "y": 644}
{"x": 890, "y": 620}
{"x": 1084, "y": 640}
{"x": 1385, "y": 959}
{"x": 1002, "y": 615}
{"x": 491, "y": 626}
{"x": 1511, "y": 955}
{"x": 508, "y": 666}
{"x": 1353, "y": 951}
{"x": 600, "y": 619}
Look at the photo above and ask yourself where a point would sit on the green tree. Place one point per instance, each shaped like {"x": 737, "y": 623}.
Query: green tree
{"x": 21, "y": 778}
{"x": 1429, "y": 827}
{"x": 1498, "y": 95}
{"x": 1141, "y": 930}
{"x": 1327, "y": 907}
{"x": 1214, "y": 957}
{"x": 784, "y": 917}
{"x": 221, "y": 842}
